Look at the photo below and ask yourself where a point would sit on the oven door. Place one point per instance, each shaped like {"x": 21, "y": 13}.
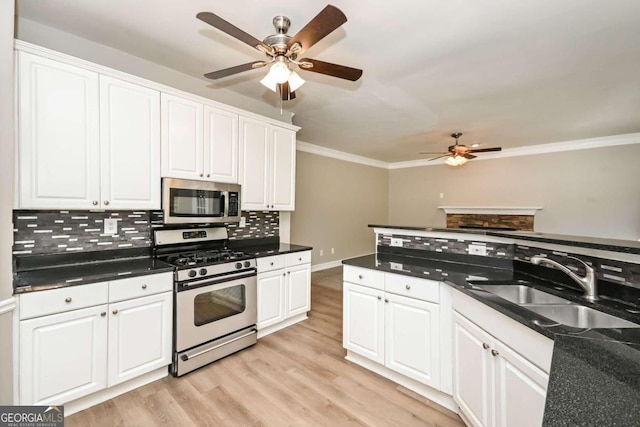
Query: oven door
{"x": 214, "y": 310}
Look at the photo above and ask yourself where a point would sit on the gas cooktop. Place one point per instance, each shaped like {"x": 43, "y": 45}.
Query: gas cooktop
{"x": 203, "y": 257}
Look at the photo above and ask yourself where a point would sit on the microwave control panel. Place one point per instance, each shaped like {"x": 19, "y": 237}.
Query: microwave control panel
{"x": 234, "y": 204}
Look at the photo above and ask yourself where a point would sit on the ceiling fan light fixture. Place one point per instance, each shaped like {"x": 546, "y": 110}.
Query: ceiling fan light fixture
{"x": 269, "y": 83}
{"x": 295, "y": 81}
{"x": 280, "y": 72}
{"x": 456, "y": 160}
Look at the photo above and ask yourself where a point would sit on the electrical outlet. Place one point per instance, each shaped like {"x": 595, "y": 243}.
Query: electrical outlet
{"x": 243, "y": 222}
{"x": 333, "y": 251}
{"x": 395, "y": 266}
{"x": 477, "y": 250}
{"x": 110, "y": 226}
{"x": 442, "y": 195}
{"x": 396, "y": 241}
{"x": 321, "y": 252}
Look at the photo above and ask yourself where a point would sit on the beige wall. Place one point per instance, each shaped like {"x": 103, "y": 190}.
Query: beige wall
{"x": 6, "y": 193}
{"x": 60, "y": 41}
{"x": 584, "y": 192}
{"x": 335, "y": 201}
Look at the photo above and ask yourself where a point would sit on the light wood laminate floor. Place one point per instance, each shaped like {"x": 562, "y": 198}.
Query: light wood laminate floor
{"x": 294, "y": 377}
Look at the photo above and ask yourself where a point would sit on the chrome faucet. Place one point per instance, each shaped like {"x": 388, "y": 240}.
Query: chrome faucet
{"x": 588, "y": 282}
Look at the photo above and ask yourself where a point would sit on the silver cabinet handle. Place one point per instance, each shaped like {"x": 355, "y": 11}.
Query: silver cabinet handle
{"x": 94, "y": 203}
{"x": 106, "y": 203}
{"x": 144, "y": 286}
{"x": 360, "y": 276}
{"x": 386, "y": 300}
{"x": 271, "y": 263}
{"x": 379, "y": 297}
{"x": 494, "y": 353}
{"x": 67, "y": 299}
{"x": 284, "y": 274}
{"x": 485, "y": 346}
{"x": 104, "y": 313}
{"x": 201, "y": 175}
{"x": 115, "y": 311}
{"x": 208, "y": 175}
{"x": 408, "y": 287}
{"x": 299, "y": 259}
{"x": 288, "y": 272}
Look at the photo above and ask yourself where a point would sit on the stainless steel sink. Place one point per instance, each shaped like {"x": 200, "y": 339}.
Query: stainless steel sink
{"x": 521, "y": 294}
{"x": 580, "y": 316}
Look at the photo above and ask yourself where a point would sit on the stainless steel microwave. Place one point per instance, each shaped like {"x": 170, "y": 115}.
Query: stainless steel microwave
{"x": 190, "y": 201}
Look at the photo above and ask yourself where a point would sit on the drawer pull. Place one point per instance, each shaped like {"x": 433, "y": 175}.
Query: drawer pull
{"x": 106, "y": 203}
{"x": 386, "y": 300}
{"x": 115, "y": 311}
{"x": 379, "y": 297}
{"x": 272, "y": 263}
{"x": 288, "y": 272}
{"x": 408, "y": 287}
{"x": 94, "y": 203}
{"x": 104, "y": 313}
{"x": 360, "y": 276}
{"x": 485, "y": 346}
{"x": 284, "y": 274}
{"x": 144, "y": 286}
{"x": 67, "y": 299}
{"x": 494, "y": 353}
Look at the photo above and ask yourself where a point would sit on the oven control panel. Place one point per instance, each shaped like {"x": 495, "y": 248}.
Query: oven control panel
{"x": 217, "y": 270}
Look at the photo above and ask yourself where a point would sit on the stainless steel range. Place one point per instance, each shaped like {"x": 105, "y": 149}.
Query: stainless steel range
{"x": 215, "y": 306}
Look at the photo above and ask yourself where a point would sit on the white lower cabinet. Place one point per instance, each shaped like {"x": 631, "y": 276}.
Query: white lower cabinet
{"x": 284, "y": 290}
{"x": 74, "y": 353}
{"x": 398, "y": 331}
{"x": 494, "y": 385}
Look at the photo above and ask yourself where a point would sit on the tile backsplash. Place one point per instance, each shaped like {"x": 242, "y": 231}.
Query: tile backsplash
{"x": 453, "y": 246}
{"x": 49, "y": 231}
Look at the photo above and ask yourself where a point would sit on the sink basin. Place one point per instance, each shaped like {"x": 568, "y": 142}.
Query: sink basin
{"x": 521, "y": 294}
{"x": 580, "y": 316}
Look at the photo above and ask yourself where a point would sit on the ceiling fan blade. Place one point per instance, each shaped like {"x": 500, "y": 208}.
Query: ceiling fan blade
{"x": 433, "y": 152}
{"x": 469, "y": 156}
{"x": 324, "y": 23}
{"x": 439, "y": 157}
{"x": 485, "y": 150}
{"x": 335, "y": 70}
{"x": 285, "y": 92}
{"x": 234, "y": 70}
{"x": 233, "y": 31}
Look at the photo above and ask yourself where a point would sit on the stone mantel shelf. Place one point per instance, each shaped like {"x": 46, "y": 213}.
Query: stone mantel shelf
{"x": 491, "y": 210}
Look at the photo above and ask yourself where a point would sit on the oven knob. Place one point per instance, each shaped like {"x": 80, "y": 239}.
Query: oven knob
{"x": 203, "y": 271}
{"x": 247, "y": 264}
{"x": 192, "y": 273}
{"x": 238, "y": 265}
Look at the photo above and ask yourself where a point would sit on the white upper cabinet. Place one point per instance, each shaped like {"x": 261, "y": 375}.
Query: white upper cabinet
{"x": 58, "y": 135}
{"x": 130, "y": 145}
{"x": 182, "y": 138}
{"x": 267, "y": 160}
{"x": 85, "y": 141}
{"x": 198, "y": 141}
{"x": 220, "y": 145}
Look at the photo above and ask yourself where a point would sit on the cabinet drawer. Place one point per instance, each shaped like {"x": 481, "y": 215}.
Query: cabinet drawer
{"x": 364, "y": 277}
{"x": 412, "y": 287}
{"x": 140, "y": 286}
{"x": 271, "y": 263}
{"x": 298, "y": 258}
{"x": 65, "y": 299}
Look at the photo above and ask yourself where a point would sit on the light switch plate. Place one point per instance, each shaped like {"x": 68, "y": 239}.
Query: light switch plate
{"x": 396, "y": 241}
{"x": 110, "y": 226}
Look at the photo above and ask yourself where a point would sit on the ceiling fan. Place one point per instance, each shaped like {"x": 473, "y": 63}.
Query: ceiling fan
{"x": 458, "y": 154}
{"x": 282, "y": 50}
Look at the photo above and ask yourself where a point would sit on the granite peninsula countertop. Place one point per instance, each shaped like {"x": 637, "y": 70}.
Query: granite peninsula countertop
{"x": 614, "y": 245}
{"x": 595, "y": 373}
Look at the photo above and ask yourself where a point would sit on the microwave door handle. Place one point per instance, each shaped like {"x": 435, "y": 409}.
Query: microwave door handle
{"x": 225, "y": 203}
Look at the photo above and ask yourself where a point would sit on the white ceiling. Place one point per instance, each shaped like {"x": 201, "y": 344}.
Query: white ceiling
{"x": 504, "y": 72}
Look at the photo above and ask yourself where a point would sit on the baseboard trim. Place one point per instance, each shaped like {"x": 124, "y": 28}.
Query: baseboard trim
{"x": 432, "y": 394}
{"x": 284, "y": 324}
{"x": 7, "y": 305}
{"x": 326, "y": 265}
{"x": 111, "y": 392}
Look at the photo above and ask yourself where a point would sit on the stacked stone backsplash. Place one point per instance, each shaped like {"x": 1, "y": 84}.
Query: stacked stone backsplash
{"x": 624, "y": 273}
{"x": 49, "y": 231}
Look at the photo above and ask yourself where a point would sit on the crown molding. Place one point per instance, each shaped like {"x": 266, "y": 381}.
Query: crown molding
{"x": 340, "y": 155}
{"x": 491, "y": 210}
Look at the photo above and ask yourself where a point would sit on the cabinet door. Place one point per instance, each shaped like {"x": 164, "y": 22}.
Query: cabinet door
{"x": 473, "y": 373}
{"x": 129, "y": 145}
{"x": 181, "y": 136}
{"x": 363, "y": 322}
{"x": 283, "y": 155}
{"x": 521, "y": 389}
{"x": 220, "y": 145}
{"x": 254, "y": 159}
{"x": 140, "y": 332}
{"x": 63, "y": 356}
{"x": 298, "y": 290}
{"x": 271, "y": 296}
{"x": 412, "y": 338}
{"x": 58, "y": 135}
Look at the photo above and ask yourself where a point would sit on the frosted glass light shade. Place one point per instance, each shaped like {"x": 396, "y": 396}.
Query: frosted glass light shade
{"x": 456, "y": 161}
{"x": 295, "y": 81}
{"x": 270, "y": 83}
{"x": 280, "y": 72}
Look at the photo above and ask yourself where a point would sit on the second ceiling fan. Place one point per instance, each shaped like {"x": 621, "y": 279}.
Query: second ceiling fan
{"x": 458, "y": 154}
{"x": 282, "y": 50}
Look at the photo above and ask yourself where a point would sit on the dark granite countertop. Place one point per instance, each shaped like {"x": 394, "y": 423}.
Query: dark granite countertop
{"x": 260, "y": 251}
{"x": 614, "y": 245}
{"x": 595, "y": 373}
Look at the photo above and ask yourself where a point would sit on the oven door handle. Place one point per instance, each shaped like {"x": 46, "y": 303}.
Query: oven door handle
{"x": 184, "y": 357}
